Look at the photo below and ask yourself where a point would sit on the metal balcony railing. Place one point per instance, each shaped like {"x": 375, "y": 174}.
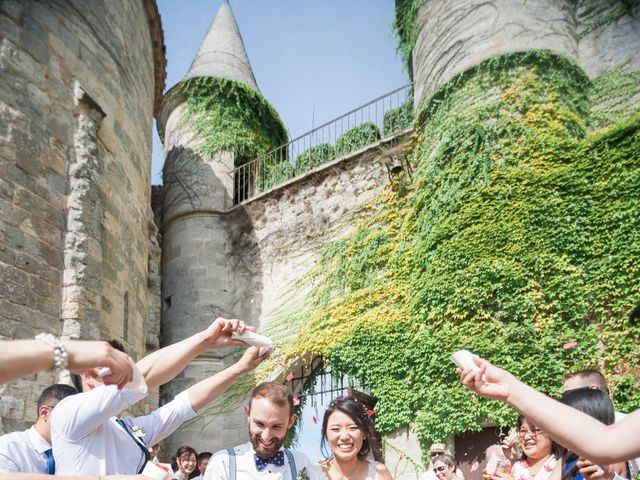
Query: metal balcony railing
{"x": 380, "y": 118}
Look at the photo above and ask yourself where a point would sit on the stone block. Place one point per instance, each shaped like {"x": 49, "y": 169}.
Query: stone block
{"x": 7, "y": 325}
{"x": 12, "y": 275}
{"x": 13, "y": 9}
{"x": 12, "y": 407}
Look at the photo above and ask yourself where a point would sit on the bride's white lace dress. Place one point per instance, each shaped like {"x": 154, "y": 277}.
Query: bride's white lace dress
{"x": 317, "y": 473}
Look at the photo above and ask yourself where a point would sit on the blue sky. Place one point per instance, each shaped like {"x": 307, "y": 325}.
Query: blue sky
{"x": 313, "y": 59}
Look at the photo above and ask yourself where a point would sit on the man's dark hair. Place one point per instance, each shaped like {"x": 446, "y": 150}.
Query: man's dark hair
{"x": 77, "y": 379}
{"x": 52, "y": 395}
{"x": 204, "y": 456}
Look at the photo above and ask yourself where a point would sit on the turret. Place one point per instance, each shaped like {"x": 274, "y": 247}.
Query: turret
{"x": 211, "y": 121}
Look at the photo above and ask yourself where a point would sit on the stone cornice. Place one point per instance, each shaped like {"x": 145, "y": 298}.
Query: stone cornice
{"x": 159, "y": 51}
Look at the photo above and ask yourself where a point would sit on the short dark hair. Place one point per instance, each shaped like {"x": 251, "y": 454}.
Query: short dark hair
{"x": 77, "y": 379}
{"x": 53, "y": 394}
{"x": 204, "y": 456}
{"x": 117, "y": 344}
{"x": 357, "y": 412}
{"x": 274, "y": 392}
{"x": 445, "y": 458}
{"x": 590, "y": 376}
{"x": 595, "y": 403}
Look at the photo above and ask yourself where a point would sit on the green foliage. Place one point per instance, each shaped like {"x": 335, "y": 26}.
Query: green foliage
{"x": 517, "y": 234}
{"x": 272, "y": 174}
{"x": 406, "y": 29}
{"x": 228, "y": 115}
{"x": 356, "y": 138}
{"x": 399, "y": 118}
{"x": 611, "y": 95}
{"x": 313, "y": 157}
{"x": 602, "y": 15}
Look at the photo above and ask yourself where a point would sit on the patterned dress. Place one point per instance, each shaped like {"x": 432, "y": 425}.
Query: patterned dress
{"x": 520, "y": 470}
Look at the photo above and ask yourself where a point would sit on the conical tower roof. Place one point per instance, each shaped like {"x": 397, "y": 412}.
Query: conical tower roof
{"x": 222, "y": 52}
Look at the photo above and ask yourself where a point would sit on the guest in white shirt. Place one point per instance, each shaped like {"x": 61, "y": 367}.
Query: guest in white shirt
{"x": 24, "y": 357}
{"x": 203, "y": 461}
{"x": 30, "y": 450}
{"x": 270, "y": 416}
{"x": 89, "y": 439}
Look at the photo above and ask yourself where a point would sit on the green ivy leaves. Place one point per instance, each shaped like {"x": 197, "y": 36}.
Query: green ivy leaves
{"x": 516, "y": 236}
{"x": 228, "y": 115}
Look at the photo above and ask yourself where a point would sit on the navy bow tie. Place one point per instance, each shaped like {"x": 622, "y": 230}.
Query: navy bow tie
{"x": 261, "y": 463}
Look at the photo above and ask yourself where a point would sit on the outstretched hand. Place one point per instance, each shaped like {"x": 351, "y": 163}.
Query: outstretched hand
{"x": 252, "y": 358}
{"x": 84, "y": 356}
{"x": 219, "y": 332}
{"x": 489, "y": 381}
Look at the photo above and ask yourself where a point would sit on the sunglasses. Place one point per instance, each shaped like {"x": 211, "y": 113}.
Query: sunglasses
{"x": 435, "y": 454}
{"x": 441, "y": 468}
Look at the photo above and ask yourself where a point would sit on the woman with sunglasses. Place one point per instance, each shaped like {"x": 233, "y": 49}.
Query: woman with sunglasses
{"x": 444, "y": 467}
{"x": 347, "y": 428}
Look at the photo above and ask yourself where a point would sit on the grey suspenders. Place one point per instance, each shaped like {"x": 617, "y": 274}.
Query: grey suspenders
{"x": 233, "y": 468}
{"x": 232, "y": 464}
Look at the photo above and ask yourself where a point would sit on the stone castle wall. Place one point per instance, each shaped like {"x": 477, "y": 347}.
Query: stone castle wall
{"x": 77, "y": 89}
{"x": 456, "y": 36}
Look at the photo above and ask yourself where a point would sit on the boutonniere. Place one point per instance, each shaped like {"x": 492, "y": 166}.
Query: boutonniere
{"x": 138, "y": 432}
{"x": 303, "y": 475}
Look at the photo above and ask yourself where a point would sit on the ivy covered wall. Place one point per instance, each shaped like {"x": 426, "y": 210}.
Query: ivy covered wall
{"x": 516, "y": 236}
{"x": 228, "y": 115}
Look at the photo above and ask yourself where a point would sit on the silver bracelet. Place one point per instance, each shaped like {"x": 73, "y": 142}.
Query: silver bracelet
{"x": 60, "y": 359}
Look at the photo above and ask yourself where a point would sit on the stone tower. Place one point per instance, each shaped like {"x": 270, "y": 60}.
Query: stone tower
{"x": 200, "y": 281}
{"x": 80, "y": 83}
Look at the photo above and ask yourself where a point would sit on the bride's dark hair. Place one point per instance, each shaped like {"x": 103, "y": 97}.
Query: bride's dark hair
{"x": 362, "y": 418}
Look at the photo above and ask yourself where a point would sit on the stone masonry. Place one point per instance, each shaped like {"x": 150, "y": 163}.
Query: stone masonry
{"x": 77, "y": 91}
{"x": 454, "y": 36}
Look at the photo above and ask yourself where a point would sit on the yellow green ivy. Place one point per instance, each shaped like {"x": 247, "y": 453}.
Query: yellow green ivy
{"x": 516, "y": 235}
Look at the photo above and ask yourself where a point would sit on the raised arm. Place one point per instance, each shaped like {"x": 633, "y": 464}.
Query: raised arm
{"x": 207, "y": 390}
{"x": 569, "y": 427}
{"x": 19, "y": 358}
{"x": 44, "y": 476}
{"x": 162, "y": 422}
{"x": 163, "y": 365}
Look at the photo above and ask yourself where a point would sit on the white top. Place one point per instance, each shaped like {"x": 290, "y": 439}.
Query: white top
{"x": 218, "y": 466}
{"x": 23, "y": 452}
{"x": 87, "y": 440}
{"x": 317, "y": 473}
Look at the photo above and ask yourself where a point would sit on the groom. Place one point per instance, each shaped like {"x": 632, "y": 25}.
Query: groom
{"x": 270, "y": 416}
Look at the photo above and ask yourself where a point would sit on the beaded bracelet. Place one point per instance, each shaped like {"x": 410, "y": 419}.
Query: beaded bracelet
{"x": 60, "y": 359}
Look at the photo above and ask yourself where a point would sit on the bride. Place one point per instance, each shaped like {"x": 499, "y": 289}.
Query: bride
{"x": 349, "y": 433}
